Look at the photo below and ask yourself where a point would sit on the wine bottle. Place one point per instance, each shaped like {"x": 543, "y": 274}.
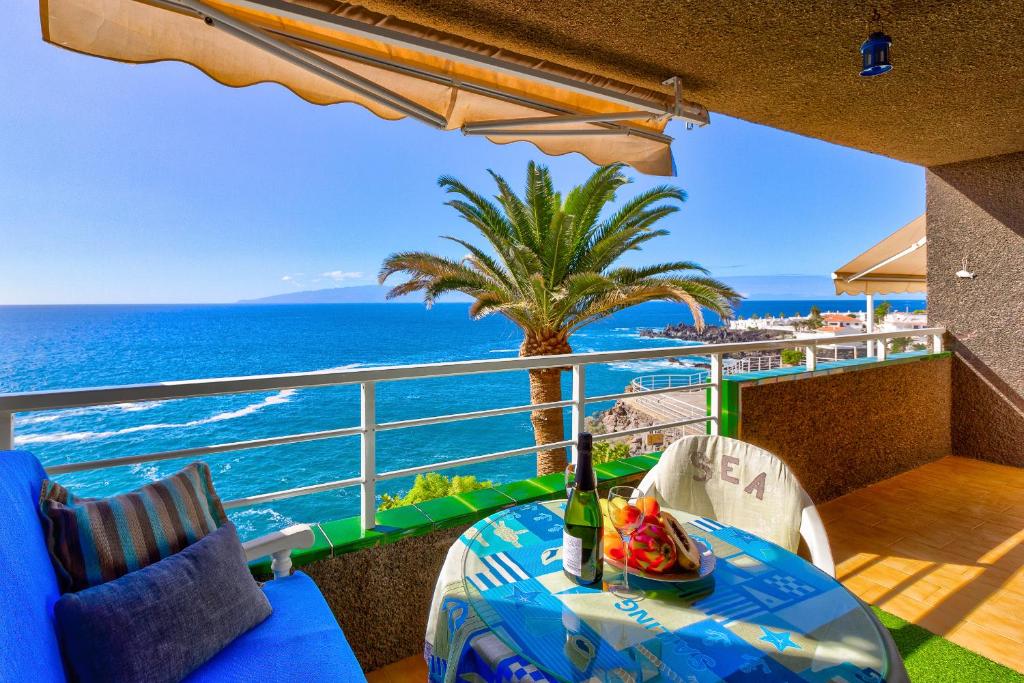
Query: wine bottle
{"x": 582, "y": 538}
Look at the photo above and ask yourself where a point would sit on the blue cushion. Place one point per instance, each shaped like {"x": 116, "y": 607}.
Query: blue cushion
{"x": 161, "y": 622}
{"x": 300, "y": 642}
{"x": 28, "y": 588}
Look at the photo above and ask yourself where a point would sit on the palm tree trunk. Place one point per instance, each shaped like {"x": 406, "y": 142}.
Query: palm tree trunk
{"x": 546, "y": 387}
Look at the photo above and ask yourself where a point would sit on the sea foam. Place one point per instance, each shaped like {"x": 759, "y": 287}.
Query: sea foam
{"x": 280, "y": 397}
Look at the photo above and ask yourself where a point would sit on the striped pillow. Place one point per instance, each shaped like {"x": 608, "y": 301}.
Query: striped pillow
{"x": 94, "y": 540}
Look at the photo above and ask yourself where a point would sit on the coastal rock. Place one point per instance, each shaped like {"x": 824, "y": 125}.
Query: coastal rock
{"x": 622, "y": 416}
{"x": 712, "y": 334}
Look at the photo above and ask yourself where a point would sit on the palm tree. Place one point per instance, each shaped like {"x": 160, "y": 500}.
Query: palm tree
{"x": 549, "y": 266}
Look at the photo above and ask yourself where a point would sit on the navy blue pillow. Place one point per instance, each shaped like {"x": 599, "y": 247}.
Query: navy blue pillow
{"x": 163, "y": 621}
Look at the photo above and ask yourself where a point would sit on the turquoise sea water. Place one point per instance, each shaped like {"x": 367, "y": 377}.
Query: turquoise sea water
{"x": 56, "y": 347}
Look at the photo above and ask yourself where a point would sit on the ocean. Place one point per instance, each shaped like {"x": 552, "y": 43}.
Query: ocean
{"x": 59, "y": 347}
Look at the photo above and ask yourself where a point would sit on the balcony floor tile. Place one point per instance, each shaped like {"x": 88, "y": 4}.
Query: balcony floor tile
{"x": 941, "y": 546}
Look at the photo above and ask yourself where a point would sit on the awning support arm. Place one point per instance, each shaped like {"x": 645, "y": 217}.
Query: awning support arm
{"x": 309, "y": 62}
{"x": 496, "y": 126}
{"x": 909, "y": 250}
{"x": 892, "y": 278}
{"x": 581, "y": 132}
{"x": 689, "y": 111}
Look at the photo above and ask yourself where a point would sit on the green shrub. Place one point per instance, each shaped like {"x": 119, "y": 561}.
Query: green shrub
{"x": 882, "y": 310}
{"x": 792, "y": 356}
{"x": 606, "y": 451}
{"x": 433, "y": 485}
{"x": 814, "y": 319}
{"x": 899, "y": 344}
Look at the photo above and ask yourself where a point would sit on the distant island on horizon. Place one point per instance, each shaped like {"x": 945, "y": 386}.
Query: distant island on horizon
{"x": 353, "y": 294}
{"x": 752, "y": 287}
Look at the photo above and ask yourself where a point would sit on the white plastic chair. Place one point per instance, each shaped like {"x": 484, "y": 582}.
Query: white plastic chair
{"x": 744, "y": 486}
{"x": 741, "y": 485}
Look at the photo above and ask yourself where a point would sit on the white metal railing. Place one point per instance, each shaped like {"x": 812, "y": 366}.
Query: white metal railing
{"x": 669, "y": 381}
{"x": 752, "y": 364}
{"x": 368, "y": 378}
{"x": 698, "y": 374}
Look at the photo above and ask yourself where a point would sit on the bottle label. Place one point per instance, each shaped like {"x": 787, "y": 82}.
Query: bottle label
{"x": 572, "y": 554}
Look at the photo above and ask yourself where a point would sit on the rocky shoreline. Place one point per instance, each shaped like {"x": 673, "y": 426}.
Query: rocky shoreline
{"x": 618, "y": 418}
{"x": 712, "y": 334}
{"x": 621, "y": 417}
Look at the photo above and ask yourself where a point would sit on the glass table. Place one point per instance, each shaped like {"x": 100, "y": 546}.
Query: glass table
{"x": 763, "y": 614}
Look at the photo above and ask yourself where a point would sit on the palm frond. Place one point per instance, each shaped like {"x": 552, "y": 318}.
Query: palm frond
{"x": 631, "y": 275}
{"x": 549, "y": 264}
{"x": 520, "y": 217}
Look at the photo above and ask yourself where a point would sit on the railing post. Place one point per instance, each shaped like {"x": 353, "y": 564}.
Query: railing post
{"x": 937, "y": 343}
{"x": 368, "y": 456}
{"x": 869, "y": 321}
{"x": 6, "y": 431}
{"x": 811, "y": 356}
{"x": 579, "y": 406}
{"x": 880, "y": 348}
{"x": 715, "y": 393}
{"x": 281, "y": 563}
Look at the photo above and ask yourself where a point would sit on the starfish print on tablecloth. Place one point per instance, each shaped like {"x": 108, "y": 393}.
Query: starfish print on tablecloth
{"x": 780, "y": 639}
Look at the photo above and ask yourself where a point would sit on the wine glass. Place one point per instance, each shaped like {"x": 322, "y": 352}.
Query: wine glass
{"x": 570, "y": 478}
{"x": 627, "y": 518}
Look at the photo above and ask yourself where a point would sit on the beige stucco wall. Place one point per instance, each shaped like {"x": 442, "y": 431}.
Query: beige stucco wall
{"x": 842, "y": 432}
{"x": 976, "y": 212}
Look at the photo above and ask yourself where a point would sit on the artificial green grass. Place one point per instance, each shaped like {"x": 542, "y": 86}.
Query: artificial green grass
{"x": 932, "y": 658}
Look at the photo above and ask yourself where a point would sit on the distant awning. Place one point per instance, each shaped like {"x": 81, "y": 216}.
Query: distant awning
{"x": 329, "y": 52}
{"x": 896, "y": 264}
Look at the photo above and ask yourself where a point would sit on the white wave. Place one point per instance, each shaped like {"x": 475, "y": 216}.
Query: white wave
{"x": 502, "y": 350}
{"x": 78, "y": 412}
{"x": 247, "y": 521}
{"x": 146, "y": 471}
{"x": 58, "y": 437}
{"x": 347, "y": 366}
{"x": 642, "y": 366}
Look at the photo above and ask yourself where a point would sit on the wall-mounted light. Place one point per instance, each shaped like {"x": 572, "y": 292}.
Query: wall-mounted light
{"x": 964, "y": 273}
{"x": 874, "y": 51}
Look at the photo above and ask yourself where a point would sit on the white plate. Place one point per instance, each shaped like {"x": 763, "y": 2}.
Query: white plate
{"x": 707, "y": 565}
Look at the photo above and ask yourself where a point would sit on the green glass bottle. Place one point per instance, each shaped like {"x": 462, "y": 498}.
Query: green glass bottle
{"x": 582, "y": 538}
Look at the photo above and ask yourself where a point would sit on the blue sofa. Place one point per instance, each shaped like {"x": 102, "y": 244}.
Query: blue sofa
{"x": 300, "y": 641}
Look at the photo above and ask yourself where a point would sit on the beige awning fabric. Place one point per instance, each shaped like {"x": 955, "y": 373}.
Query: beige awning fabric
{"x": 329, "y": 52}
{"x": 895, "y": 265}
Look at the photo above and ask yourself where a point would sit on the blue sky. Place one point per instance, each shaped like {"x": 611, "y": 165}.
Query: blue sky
{"x": 153, "y": 183}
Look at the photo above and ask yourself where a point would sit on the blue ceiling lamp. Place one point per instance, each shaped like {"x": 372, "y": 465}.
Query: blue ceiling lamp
{"x": 875, "y": 50}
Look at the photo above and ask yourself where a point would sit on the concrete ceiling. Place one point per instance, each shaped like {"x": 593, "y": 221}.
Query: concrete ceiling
{"x": 956, "y": 92}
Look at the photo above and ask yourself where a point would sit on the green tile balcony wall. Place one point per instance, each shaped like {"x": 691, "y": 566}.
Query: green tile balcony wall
{"x": 615, "y": 469}
{"x": 341, "y": 536}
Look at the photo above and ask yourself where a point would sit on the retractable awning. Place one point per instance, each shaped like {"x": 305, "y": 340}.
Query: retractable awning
{"x": 329, "y": 52}
{"x": 896, "y": 264}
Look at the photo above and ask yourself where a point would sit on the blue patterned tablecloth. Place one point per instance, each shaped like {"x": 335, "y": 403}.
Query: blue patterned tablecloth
{"x": 503, "y": 611}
